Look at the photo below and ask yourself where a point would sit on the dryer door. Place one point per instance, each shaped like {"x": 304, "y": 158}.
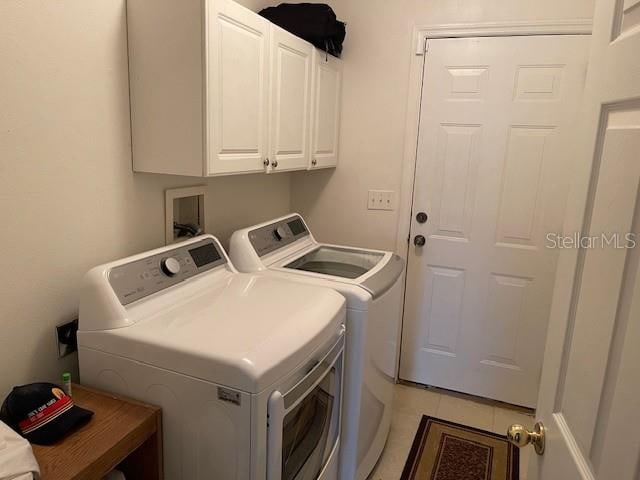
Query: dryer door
{"x": 304, "y": 423}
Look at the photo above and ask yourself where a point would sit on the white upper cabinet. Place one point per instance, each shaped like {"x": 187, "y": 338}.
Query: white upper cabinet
{"x": 237, "y": 89}
{"x": 217, "y": 90}
{"x": 325, "y": 111}
{"x": 290, "y": 101}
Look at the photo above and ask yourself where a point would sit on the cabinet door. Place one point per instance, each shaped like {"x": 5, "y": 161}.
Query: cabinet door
{"x": 237, "y": 88}
{"x": 326, "y": 109}
{"x": 290, "y": 101}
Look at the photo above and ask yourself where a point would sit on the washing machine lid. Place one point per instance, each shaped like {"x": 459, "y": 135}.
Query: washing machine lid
{"x": 286, "y": 245}
{"x": 372, "y": 270}
{"x": 337, "y": 261}
{"x": 245, "y": 332}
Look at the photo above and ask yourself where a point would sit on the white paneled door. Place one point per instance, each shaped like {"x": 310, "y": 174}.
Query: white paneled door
{"x": 290, "y": 101}
{"x": 327, "y": 100}
{"x": 590, "y": 391}
{"x": 237, "y": 89}
{"x": 491, "y": 181}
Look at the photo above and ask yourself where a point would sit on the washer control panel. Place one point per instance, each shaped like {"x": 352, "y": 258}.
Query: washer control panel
{"x": 144, "y": 277}
{"x": 276, "y": 235}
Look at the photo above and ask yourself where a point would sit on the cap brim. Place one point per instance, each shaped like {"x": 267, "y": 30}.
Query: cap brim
{"x": 60, "y": 427}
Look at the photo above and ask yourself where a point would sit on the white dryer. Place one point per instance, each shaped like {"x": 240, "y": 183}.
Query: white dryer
{"x": 371, "y": 281}
{"x": 247, "y": 369}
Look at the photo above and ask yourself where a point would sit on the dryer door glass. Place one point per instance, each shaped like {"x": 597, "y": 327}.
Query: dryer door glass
{"x": 338, "y": 262}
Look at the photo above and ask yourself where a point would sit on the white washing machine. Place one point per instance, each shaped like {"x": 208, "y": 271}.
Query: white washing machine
{"x": 371, "y": 281}
{"x": 247, "y": 369}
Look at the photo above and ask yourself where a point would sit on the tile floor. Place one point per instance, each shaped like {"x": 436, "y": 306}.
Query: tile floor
{"x": 413, "y": 402}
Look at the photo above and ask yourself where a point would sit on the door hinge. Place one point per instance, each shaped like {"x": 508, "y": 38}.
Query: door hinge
{"x": 426, "y": 45}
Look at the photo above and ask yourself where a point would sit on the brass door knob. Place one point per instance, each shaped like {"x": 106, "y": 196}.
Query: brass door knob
{"x": 521, "y": 437}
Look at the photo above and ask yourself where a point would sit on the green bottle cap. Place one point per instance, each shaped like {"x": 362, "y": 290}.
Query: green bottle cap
{"x": 66, "y": 377}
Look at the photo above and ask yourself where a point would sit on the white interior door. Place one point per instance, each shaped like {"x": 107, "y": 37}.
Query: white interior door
{"x": 590, "y": 391}
{"x": 290, "y": 101}
{"x": 237, "y": 88}
{"x": 327, "y": 103}
{"x": 491, "y": 175}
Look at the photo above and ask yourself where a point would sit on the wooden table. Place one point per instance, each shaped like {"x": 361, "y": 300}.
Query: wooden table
{"x": 123, "y": 433}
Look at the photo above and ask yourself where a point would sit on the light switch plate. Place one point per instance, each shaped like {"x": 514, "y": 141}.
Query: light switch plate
{"x": 381, "y": 200}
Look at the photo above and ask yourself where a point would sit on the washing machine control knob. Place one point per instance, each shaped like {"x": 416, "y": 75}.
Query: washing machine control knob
{"x": 170, "y": 266}
{"x": 280, "y": 233}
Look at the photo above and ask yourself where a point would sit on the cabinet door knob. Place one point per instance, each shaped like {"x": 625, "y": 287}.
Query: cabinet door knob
{"x": 265, "y": 162}
{"x": 274, "y": 163}
{"x": 314, "y": 162}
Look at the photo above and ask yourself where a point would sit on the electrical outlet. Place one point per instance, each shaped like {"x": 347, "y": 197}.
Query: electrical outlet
{"x": 381, "y": 200}
{"x": 66, "y": 336}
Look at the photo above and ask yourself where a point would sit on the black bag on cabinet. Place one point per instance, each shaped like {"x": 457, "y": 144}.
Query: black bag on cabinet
{"x": 314, "y": 22}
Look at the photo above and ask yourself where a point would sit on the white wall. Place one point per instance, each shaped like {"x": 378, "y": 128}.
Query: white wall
{"x": 376, "y": 73}
{"x": 68, "y": 197}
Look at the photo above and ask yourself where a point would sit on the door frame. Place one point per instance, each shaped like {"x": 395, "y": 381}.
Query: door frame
{"x": 421, "y": 34}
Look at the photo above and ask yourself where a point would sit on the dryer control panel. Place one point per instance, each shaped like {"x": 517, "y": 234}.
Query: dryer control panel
{"x": 276, "y": 235}
{"x": 140, "y": 278}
